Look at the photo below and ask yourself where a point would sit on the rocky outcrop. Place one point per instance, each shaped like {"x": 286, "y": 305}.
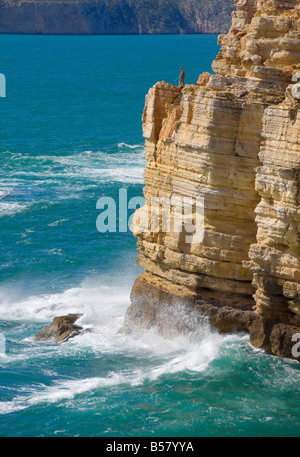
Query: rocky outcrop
{"x": 232, "y": 139}
{"x": 114, "y": 16}
{"x": 61, "y": 329}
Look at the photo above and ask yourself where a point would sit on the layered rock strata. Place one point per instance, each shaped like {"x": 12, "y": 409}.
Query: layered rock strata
{"x": 232, "y": 139}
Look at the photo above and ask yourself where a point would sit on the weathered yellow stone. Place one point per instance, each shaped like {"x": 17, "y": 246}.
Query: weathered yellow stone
{"x": 232, "y": 139}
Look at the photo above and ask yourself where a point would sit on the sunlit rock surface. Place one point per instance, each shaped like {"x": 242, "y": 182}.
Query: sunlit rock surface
{"x": 232, "y": 139}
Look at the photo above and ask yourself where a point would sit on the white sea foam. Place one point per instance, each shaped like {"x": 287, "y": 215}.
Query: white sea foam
{"x": 103, "y": 309}
{"x": 12, "y": 208}
{"x": 61, "y": 390}
{"x": 133, "y": 175}
{"x": 2, "y": 345}
{"x": 7, "y": 206}
{"x": 89, "y": 298}
{"x": 55, "y": 223}
{"x": 125, "y": 174}
{"x": 130, "y": 146}
{"x": 4, "y": 192}
{"x": 194, "y": 358}
{"x": 176, "y": 359}
{"x": 127, "y": 167}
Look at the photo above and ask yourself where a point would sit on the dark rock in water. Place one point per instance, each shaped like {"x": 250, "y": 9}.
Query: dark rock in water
{"x": 61, "y": 329}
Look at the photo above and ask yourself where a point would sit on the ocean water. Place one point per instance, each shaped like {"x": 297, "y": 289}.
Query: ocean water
{"x": 71, "y": 133}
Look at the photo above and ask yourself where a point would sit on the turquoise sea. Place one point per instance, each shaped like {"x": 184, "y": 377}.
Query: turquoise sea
{"x": 71, "y": 133}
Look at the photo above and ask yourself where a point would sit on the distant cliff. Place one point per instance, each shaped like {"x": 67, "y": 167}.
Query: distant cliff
{"x": 233, "y": 139}
{"x": 115, "y": 16}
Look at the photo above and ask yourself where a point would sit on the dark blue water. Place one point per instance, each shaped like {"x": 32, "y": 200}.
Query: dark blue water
{"x": 70, "y": 134}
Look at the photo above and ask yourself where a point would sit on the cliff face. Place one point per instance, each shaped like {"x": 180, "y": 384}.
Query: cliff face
{"x": 114, "y": 16}
{"x": 234, "y": 140}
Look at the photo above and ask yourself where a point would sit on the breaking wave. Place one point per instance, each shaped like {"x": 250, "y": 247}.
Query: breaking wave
{"x": 103, "y": 309}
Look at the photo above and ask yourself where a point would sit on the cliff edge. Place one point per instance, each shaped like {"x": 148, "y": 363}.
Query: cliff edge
{"x": 233, "y": 140}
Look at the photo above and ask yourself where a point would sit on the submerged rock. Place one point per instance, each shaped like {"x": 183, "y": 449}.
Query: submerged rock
{"x": 61, "y": 329}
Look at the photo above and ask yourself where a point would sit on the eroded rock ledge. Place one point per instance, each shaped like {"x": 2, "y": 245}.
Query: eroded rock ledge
{"x": 234, "y": 139}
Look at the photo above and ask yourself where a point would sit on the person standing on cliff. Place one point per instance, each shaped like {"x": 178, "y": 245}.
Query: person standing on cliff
{"x": 182, "y": 77}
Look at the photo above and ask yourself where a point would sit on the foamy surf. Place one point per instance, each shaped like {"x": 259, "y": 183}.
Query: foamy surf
{"x": 4, "y": 192}
{"x": 195, "y": 359}
{"x": 12, "y": 208}
{"x": 103, "y": 309}
{"x": 89, "y": 298}
{"x": 59, "y": 391}
{"x": 125, "y": 163}
{"x": 130, "y": 146}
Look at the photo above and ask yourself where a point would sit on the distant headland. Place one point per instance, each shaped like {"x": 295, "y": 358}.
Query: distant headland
{"x": 114, "y": 17}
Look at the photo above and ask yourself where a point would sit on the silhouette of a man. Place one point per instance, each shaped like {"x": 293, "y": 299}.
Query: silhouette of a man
{"x": 182, "y": 77}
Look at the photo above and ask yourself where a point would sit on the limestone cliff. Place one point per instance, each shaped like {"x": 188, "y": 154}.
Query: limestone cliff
{"x": 233, "y": 139}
